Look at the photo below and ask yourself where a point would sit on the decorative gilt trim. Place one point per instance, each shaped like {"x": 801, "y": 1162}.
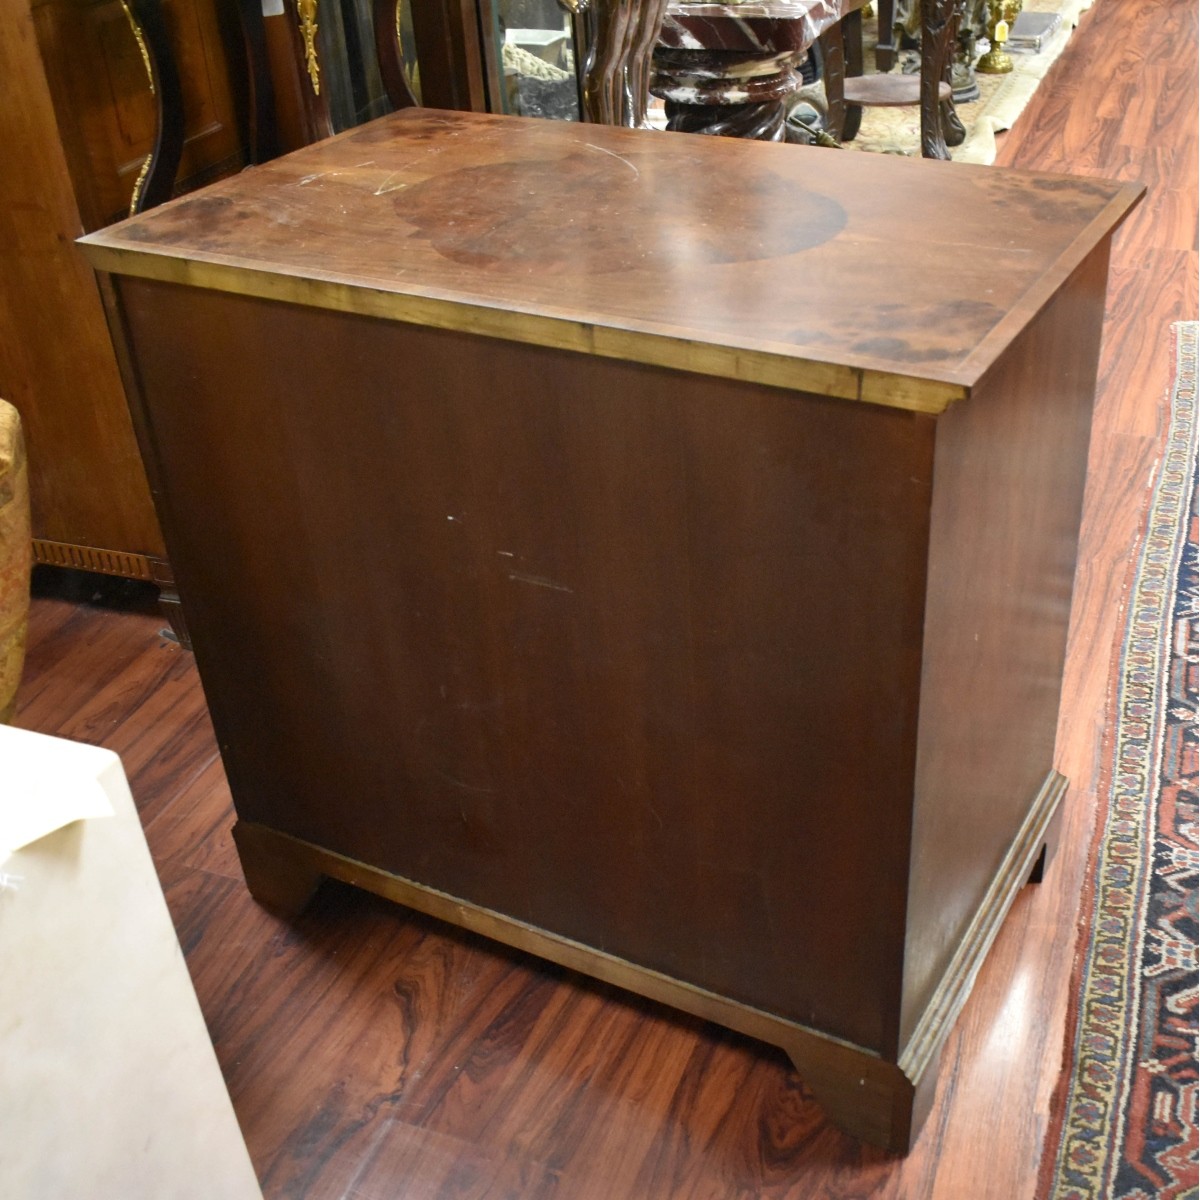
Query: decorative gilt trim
{"x": 140, "y": 38}
{"x": 90, "y": 558}
{"x": 139, "y": 183}
{"x": 306, "y": 11}
{"x": 951, "y": 995}
{"x": 135, "y": 25}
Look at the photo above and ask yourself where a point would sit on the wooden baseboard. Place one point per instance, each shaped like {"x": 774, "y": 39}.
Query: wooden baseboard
{"x": 91, "y": 558}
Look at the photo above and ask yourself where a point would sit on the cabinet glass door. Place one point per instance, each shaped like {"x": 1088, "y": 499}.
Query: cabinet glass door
{"x": 533, "y": 52}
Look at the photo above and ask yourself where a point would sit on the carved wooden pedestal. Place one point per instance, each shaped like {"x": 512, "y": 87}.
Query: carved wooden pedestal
{"x": 633, "y": 582}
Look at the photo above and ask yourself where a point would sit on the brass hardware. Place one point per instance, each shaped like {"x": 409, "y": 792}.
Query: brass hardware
{"x": 307, "y": 12}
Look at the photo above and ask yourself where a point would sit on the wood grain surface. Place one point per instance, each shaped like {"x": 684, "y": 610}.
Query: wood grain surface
{"x": 634, "y": 657}
{"x": 86, "y": 479}
{"x": 372, "y": 1054}
{"x": 585, "y": 616}
{"x": 888, "y": 91}
{"x": 657, "y": 249}
{"x": 1009, "y": 486}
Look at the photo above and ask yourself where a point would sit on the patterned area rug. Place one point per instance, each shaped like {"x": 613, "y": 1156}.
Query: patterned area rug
{"x": 1123, "y": 1120}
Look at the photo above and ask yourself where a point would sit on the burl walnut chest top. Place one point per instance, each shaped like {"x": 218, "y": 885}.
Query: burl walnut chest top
{"x": 892, "y": 281}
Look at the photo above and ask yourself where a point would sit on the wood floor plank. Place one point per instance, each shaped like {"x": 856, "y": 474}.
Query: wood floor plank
{"x": 375, "y": 1054}
{"x": 195, "y": 830}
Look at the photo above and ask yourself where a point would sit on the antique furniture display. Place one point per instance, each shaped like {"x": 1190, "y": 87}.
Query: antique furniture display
{"x": 930, "y": 89}
{"x": 582, "y": 546}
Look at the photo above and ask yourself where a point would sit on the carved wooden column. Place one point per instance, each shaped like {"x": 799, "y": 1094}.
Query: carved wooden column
{"x": 616, "y": 73}
{"x": 940, "y": 124}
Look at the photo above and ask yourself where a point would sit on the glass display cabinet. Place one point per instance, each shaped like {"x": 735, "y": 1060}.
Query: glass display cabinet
{"x": 533, "y": 51}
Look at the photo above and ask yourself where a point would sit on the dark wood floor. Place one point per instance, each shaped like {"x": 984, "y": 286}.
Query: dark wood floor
{"x": 373, "y": 1054}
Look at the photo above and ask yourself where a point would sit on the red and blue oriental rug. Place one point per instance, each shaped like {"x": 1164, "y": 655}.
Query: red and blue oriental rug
{"x": 1123, "y": 1122}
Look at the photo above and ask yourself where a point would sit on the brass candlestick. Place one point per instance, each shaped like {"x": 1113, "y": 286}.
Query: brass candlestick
{"x": 1001, "y": 15}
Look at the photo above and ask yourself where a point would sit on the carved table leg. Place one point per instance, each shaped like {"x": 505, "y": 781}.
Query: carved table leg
{"x": 616, "y": 75}
{"x": 940, "y": 125}
{"x": 852, "y": 48}
{"x": 651, "y": 14}
{"x": 833, "y": 67}
{"x": 842, "y": 58}
{"x": 602, "y": 72}
{"x": 953, "y": 130}
{"x": 885, "y": 43}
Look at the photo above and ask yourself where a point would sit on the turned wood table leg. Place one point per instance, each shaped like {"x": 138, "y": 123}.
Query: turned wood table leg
{"x": 833, "y": 66}
{"x": 885, "y": 42}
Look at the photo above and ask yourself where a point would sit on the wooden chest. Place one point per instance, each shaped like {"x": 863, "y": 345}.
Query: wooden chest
{"x": 652, "y": 551}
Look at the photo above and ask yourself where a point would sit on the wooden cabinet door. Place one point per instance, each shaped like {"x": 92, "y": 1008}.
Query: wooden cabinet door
{"x": 77, "y": 123}
{"x": 99, "y": 83}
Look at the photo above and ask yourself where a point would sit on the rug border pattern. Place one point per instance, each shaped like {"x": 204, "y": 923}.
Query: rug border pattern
{"x": 1109, "y": 958}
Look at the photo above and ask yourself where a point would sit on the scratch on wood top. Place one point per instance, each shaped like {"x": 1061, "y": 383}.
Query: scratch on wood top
{"x": 618, "y": 157}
